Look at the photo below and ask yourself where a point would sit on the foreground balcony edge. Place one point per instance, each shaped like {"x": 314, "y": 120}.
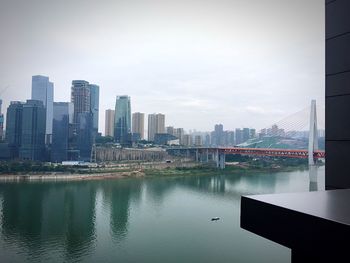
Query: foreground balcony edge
{"x": 314, "y": 225}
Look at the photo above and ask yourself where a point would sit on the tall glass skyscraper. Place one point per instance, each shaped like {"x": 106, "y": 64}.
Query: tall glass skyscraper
{"x": 14, "y": 127}
{"x": 94, "y": 105}
{"x": 33, "y": 131}
{"x": 42, "y": 90}
{"x": 122, "y": 121}
{"x": 60, "y": 135}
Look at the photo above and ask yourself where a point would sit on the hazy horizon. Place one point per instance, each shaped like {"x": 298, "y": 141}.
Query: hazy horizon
{"x": 242, "y": 63}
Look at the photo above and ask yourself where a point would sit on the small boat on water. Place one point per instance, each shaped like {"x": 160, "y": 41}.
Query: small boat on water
{"x": 215, "y": 218}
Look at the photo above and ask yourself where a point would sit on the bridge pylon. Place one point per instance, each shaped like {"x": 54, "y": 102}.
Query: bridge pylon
{"x": 313, "y": 135}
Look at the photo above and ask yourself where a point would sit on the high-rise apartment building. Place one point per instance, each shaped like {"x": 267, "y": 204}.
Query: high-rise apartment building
{"x": 60, "y": 134}
{"x": 14, "y": 127}
{"x": 239, "y": 136}
{"x": 43, "y": 90}
{"x": 122, "y": 120}
{"x": 179, "y": 133}
{"x": 33, "y": 131}
{"x": 109, "y": 123}
{"x": 229, "y": 138}
{"x": 198, "y": 140}
{"x": 252, "y": 133}
{"x": 156, "y": 124}
{"x": 138, "y": 124}
{"x": 217, "y": 136}
{"x": 187, "y": 140}
{"x": 246, "y": 134}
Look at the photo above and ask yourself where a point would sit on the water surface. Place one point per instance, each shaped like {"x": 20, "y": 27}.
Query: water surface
{"x": 159, "y": 219}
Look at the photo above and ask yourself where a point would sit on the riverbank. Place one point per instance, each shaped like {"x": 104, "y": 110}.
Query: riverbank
{"x": 69, "y": 177}
{"x": 151, "y": 171}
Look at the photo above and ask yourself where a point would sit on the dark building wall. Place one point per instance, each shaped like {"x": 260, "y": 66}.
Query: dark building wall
{"x": 337, "y": 93}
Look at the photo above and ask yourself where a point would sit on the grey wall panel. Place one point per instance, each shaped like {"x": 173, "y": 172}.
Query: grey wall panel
{"x": 337, "y": 164}
{"x": 337, "y": 18}
{"x": 338, "y": 84}
{"x": 338, "y": 54}
{"x": 337, "y": 118}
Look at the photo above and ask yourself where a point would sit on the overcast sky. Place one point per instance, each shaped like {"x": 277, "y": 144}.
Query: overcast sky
{"x": 236, "y": 62}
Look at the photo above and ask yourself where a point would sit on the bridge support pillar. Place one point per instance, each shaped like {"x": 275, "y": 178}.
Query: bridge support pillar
{"x": 221, "y": 160}
{"x": 313, "y": 136}
{"x": 216, "y": 158}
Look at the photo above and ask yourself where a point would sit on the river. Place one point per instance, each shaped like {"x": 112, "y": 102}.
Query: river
{"x": 156, "y": 219}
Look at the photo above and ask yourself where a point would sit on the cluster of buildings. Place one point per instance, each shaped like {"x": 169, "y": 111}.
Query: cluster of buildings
{"x": 118, "y": 123}
{"x": 43, "y": 130}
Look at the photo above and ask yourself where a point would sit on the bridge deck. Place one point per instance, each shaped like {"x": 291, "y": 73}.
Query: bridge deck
{"x": 291, "y": 153}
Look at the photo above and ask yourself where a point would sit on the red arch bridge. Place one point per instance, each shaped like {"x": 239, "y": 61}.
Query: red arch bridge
{"x": 203, "y": 154}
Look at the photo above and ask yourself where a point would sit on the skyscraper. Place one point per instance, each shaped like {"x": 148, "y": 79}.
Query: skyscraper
{"x": 239, "y": 136}
{"x": 33, "y": 131}
{"x": 94, "y": 105}
{"x": 187, "y": 140}
{"x": 246, "y": 134}
{"x": 218, "y": 135}
{"x": 138, "y": 124}
{"x": 80, "y": 97}
{"x": 122, "y": 120}
{"x": 43, "y": 90}
{"x": 198, "y": 140}
{"x": 1, "y": 122}
{"x": 156, "y": 124}
{"x": 179, "y": 133}
{"x": 14, "y": 127}
{"x": 85, "y": 134}
{"x": 83, "y": 131}
{"x": 60, "y": 134}
{"x": 109, "y": 123}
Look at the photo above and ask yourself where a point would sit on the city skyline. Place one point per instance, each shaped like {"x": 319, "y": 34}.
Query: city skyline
{"x": 193, "y": 63}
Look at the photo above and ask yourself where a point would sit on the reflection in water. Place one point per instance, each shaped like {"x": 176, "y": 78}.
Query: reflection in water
{"x": 313, "y": 177}
{"x": 57, "y": 221}
{"x": 118, "y": 196}
{"x": 43, "y": 215}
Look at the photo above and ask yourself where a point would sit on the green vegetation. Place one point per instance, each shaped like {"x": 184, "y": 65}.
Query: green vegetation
{"x": 182, "y": 171}
{"x": 103, "y": 139}
{"x": 16, "y": 167}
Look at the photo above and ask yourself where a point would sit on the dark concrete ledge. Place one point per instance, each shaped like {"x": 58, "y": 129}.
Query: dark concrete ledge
{"x": 315, "y": 225}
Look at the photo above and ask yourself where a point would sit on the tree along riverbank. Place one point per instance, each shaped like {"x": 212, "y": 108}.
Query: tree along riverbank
{"x": 47, "y": 172}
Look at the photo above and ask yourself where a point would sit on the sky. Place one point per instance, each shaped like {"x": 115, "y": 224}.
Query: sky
{"x": 242, "y": 63}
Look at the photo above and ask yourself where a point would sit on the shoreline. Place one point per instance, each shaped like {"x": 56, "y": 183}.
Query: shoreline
{"x": 136, "y": 173}
{"x": 69, "y": 177}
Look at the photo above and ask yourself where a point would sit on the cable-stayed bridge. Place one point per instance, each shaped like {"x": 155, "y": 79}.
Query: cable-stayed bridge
{"x": 290, "y": 127}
